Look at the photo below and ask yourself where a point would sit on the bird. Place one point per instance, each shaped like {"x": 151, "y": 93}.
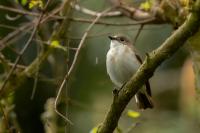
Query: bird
{"x": 122, "y": 61}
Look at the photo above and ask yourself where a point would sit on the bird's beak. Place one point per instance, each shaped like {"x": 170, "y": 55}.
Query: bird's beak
{"x": 112, "y": 38}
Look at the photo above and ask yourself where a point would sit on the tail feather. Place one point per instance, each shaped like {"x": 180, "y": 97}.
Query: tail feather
{"x": 143, "y": 100}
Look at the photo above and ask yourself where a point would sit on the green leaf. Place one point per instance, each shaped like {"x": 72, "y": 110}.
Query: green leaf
{"x": 146, "y": 5}
{"x": 56, "y": 44}
{"x": 24, "y": 2}
{"x": 36, "y": 3}
{"x": 94, "y": 130}
{"x": 133, "y": 114}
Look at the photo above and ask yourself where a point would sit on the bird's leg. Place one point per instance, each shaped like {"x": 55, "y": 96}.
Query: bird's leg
{"x": 115, "y": 93}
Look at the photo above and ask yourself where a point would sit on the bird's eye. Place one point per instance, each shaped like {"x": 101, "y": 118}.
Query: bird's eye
{"x": 122, "y": 39}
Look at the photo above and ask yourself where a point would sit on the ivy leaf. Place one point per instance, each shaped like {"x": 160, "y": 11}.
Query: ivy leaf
{"x": 133, "y": 114}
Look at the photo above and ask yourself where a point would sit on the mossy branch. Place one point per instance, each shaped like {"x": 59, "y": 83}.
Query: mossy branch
{"x": 165, "y": 51}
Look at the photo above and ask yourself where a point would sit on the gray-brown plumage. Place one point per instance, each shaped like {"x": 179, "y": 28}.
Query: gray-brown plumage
{"x": 122, "y": 62}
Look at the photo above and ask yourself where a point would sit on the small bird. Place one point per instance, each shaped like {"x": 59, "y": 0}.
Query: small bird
{"x": 122, "y": 62}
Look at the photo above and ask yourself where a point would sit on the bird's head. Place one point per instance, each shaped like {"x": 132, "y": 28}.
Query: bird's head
{"x": 118, "y": 40}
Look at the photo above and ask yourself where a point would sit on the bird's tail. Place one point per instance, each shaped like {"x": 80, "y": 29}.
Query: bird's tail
{"x": 143, "y": 100}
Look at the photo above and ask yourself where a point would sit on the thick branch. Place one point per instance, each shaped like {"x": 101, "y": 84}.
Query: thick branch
{"x": 155, "y": 58}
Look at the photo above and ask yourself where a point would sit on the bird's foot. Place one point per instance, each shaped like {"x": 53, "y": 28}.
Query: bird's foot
{"x": 115, "y": 93}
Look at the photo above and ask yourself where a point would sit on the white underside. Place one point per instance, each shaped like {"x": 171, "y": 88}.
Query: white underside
{"x": 121, "y": 63}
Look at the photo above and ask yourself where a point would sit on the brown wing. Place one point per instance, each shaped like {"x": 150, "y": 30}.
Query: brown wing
{"x": 138, "y": 58}
{"x": 148, "y": 87}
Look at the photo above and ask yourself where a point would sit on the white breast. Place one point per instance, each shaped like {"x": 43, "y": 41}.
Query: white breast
{"x": 121, "y": 64}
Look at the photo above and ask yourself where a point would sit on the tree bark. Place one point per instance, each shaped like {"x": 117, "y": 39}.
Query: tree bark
{"x": 152, "y": 61}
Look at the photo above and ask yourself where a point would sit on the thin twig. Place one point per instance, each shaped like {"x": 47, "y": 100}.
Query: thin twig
{"x": 35, "y": 77}
{"x": 79, "y": 38}
{"x": 7, "y": 63}
{"x": 130, "y": 129}
{"x": 24, "y": 12}
{"x": 18, "y": 66}
{"x": 4, "y": 42}
{"x": 5, "y": 119}
{"x": 74, "y": 62}
{"x": 4, "y": 62}
{"x": 76, "y": 7}
{"x": 14, "y": 33}
{"x": 67, "y": 126}
{"x": 35, "y": 84}
{"x": 23, "y": 50}
{"x": 138, "y": 33}
{"x": 146, "y": 21}
{"x": 94, "y": 13}
{"x": 134, "y": 13}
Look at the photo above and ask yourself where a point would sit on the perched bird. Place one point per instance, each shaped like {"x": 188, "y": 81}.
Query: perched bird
{"x": 122, "y": 62}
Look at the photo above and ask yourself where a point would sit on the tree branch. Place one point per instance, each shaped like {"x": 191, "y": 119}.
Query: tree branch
{"x": 23, "y": 50}
{"x": 155, "y": 58}
{"x": 94, "y": 13}
{"x": 74, "y": 63}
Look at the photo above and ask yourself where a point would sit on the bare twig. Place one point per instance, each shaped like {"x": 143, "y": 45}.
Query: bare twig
{"x": 94, "y": 13}
{"x": 89, "y": 36}
{"x": 12, "y": 34}
{"x": 146, "y": 21}
{"x": 8, "y": 64}
{"x": 4, "y": 62}
{"x": 24, "y": 12}
{"x": 4, "y": 42}
{"x": 18, "y": 66}
{"x": 135, "y": 14}
{"x": 23, "y": 50}
{"x": 130, "y": 129}
{"x": 138, "y": 33}
{"x": 12, "y": 18}
{"x": 74, "y": 62}
{"x": 5, "y": 119}
{"x": 35, "y": 77}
